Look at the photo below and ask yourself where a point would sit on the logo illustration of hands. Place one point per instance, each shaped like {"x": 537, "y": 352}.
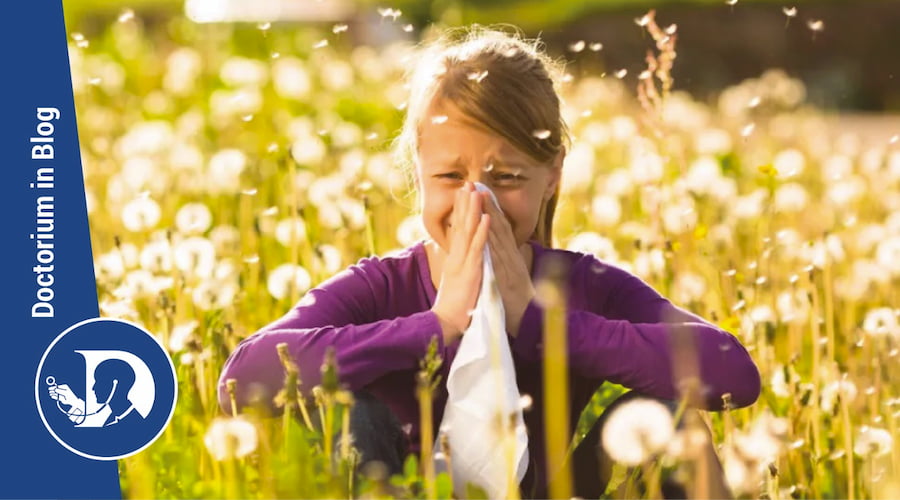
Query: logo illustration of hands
{"x": 64, "y": 395}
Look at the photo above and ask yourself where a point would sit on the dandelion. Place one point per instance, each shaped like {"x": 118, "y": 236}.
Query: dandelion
{"x": 308, "y": 150}
{"x": 141, "y": 214}
{"x": 887, "y": 255}
{"x": 180, "y": 335}
{"x": 328, "y": 258}
{"x": 591, "y": 243}
{"x": 793, "y": 305}
{"x": 872, "y": 441}
{"x": 791, "y": 197}
{"x": 881, "y": 322}
{"x": 193, "y": 218}
{"x": 225, "y": 238}
{"x": 156, "y": 256}
{"x": 765, "y": 440}
{"x": 286, "y": 277}
{"x": 242, "y": 72}
{"x": 844, "y": 388}
{"x": 637, "y": 430}
{"x": 290, "y": 231}
{"x": 606, "y": 210}
{"x": 290, "y": 78}
{"x": 779, "y": 383}
{"x": 195, "y": 256}
{"x": 224, "y": 170}
{"x": 689, "y": 287}
{"x": 229, "y": 438}
{"x": 213, "y": 294}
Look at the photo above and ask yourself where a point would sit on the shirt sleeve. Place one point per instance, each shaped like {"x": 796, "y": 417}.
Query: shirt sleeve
{"x": 342, "y": 313}
{"x": 626, "y": 335}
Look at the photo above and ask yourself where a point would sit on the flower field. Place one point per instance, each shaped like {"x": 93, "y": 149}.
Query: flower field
{"x": 229, "y": 168}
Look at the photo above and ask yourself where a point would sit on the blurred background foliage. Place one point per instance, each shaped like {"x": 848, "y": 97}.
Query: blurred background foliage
{"x": 849, "y": 65}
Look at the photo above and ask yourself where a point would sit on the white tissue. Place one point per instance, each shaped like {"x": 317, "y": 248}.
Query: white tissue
{"x": 482, "y": 390}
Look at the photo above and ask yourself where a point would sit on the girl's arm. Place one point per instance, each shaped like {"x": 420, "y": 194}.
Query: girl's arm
{"x": 340, "y": 313}
{"x": 625, "y": 333}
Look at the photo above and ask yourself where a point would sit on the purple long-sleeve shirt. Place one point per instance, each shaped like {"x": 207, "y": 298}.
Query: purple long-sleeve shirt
{"x": 377, "y": 316}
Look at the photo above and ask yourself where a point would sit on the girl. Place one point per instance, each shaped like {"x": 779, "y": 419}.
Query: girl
{"x": 484, "y": 109}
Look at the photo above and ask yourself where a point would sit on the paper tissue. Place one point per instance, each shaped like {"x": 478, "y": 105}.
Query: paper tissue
{"x": 483, "y": 396}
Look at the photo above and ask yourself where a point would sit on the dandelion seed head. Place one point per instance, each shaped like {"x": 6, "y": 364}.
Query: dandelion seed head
{"x": 229, "y": 438}
{"x": 285, "y": 277}
{"x": 193, "y": 218}
{"x": 195, "y": 256}
{"x": 881, "y": 322}
{"x": 636, "y": 430}
{"x": 872, "y": 441}
{"x": 290, "y": 231}
{"x": 141, "y": 214}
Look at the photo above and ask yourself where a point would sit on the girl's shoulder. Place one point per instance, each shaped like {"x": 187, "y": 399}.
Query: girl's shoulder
{"x": 579, "y": 266}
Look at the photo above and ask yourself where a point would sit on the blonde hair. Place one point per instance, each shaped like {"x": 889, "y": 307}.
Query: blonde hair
{"x": 501, "y": 81}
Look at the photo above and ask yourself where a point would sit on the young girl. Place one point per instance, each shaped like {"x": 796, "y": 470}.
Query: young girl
{"x": 484, "y": 109}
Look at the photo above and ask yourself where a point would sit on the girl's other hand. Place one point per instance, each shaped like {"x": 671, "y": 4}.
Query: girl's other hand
{"x": 461, "y": 273}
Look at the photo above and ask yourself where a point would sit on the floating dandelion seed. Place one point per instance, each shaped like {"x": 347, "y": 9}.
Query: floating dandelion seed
{"x": 671, "y": 29}
{"x": 477, "y": 76}
{"x": 230, "y": 438}
{"x": 645, "y": 75}
{"x": 489, "y": 167}
{"x": 126, "y": 15}
{"x": 568, "y": 77}
{"x": 77, "y": 36}
{"x": 339, "y": 28}
{"x": 731, "y": 2}
{"x": 276, "y": 55}
{"x": 596, "y": 47}
{"x": 541, "y": 134}
{"x": 815, "y": 25}
{"x": 388, "y": 12}
{"x": 577, "y": 46}
{"x": 321, "y": 44}
{"x": 94, "y": 81}
{"x": 251, "y": 259}
{"x": 247, "y": 118}
{"x": 643, "y": 20}
{"x": 754, "y": 101}
{"x": 747, "y": 130}
{"x": 789, "y": 11}
{"x": 525, "y": 402}
{"x": 264, "y": 26}
{"x": 408, "y": 28}
{"x": 894, "y": 139}
{"x": 439, "y": 119}
{"x": 249, "y": 192}
{"x": 371, "y": 136}
{"x": 621, "y": 73}
{"x": 273, "y": 147}
{"x": 511, "y": 52}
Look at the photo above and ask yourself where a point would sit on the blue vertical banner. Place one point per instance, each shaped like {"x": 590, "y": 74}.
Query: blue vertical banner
{"x": 81, "y": 391}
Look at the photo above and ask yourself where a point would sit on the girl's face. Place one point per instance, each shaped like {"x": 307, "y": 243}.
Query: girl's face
{"x": 453, "y": 150}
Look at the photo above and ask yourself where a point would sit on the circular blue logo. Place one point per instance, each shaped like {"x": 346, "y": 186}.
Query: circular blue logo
{"x": 105, "y": 388}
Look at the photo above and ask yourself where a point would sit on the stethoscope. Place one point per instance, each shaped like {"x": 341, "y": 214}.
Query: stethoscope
{"x": 51, "y": 381}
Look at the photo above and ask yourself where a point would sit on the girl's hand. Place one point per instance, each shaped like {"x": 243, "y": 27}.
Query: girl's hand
{"x": 463, "y": 265}
{"x": 510, "y": 268}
